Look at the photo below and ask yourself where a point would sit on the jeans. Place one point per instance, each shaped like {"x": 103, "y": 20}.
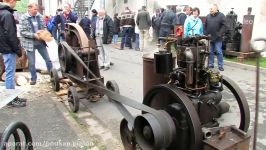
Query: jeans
{"x": 137, "y": 41}
{"x": 54, "y": 33}
{"x": 127, "y": 32}
{"x": 10, "y": 67}
{"x": 216, "y": 45}
{"x": 31, "y": 58}
{"x": 115, "y": 38}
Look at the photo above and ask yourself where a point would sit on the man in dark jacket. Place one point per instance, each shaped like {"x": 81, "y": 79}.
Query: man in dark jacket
{"x": 116, "y": 28}
{"x": 127, "y": 23}
{"x": 85, "y": 24}
{"x": 94, "y": 19}
{"x": 181, "y": 17}
{"x": 167, "y": 23}
{"x": 104, "y": 34}
{"x": 215, "y": 26}
{"x": 9, "y": 46}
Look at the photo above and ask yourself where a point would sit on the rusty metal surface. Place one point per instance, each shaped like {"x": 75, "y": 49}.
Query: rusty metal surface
{"x": 226, "y": 138}
{"x": 151, "y": 78}
{"x": 247, "y": 28}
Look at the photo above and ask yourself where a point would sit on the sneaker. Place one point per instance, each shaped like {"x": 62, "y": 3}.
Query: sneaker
{"x": 32, "y": 82}
{"x": 221, "y": 68}
{"x": 111, "y": 63}
{"x": 21, "y": 99}
{"x": 137, "y": 49}
{"x": 121, "y": 48}
{"x": 16, "y": 103}
{"x": 211, "y": 66}
{"x": 102, "y": 67}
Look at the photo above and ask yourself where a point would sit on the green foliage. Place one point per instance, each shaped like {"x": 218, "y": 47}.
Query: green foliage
{"x": 21, "y": 6}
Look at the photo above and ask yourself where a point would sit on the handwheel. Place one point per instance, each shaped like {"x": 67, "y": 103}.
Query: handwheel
{"x": 55, "y": 79}
{"x": 180, "y": 108}
{"x": 73, "y": 99}
{"x": 12, "y": 130}
{"x": 239, "y": 113}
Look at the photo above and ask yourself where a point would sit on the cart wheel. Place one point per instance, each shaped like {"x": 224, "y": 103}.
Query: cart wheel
{"x": 113, "y": 86}
{"x": 55, "y": 79}
{"x": 73, "y": 99}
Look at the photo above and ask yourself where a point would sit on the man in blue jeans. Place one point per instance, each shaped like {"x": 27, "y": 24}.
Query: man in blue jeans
{"x": 215, "y": 26}
{"x": 9, "y": 47}
{"x": 31, "y": 24}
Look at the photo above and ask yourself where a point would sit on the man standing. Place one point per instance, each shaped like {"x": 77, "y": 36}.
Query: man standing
{"x": 104, "y": 34}
{"x": 181, "y": 17}
{"x": 215, "y": 26}
{"x": 9, "y": 47}
{"x": 31, "y": 25}
{"x": 144, "y": 23}
{"x": 66, "y": 17}
{"x": 85, "y": 24}
{"x": 167, "y": 23}
{"x": 127, "y": 23}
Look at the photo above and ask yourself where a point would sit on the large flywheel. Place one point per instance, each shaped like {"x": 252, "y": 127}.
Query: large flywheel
{"x": 65, "y": 57}
{"x": 239, "y": 113}
{"x": 174, "y": 101}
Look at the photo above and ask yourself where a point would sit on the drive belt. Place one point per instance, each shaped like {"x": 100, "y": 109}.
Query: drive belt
{"x": 118, "y": 99}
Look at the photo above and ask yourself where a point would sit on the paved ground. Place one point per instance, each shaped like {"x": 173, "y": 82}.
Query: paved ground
{"x": 51, "y": 125}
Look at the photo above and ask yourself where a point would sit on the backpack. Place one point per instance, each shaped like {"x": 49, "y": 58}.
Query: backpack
{"x": 50, "y": 24}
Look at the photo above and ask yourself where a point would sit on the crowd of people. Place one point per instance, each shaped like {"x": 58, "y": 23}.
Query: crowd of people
{"x": 129, "y": 25}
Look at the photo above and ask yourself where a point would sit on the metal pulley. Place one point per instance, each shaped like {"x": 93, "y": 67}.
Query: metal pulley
{"x": 154, "y": 131}
{"x": 163, "y": 62}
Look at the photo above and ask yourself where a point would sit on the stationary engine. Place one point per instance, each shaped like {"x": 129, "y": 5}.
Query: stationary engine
{"x": 232, "y": 37}
{"x": 195, "y": 97}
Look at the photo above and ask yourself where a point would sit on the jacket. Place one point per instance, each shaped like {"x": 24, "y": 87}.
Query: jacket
{"x": 127, "y": 19}
{"x": 108, "y": 29}
{"x": 9, "y": 42}
{"x": 215, "y": 26}
{"x": 143, "y": 20}
{"x": 27, "y": 37}
{"x": 193, "y": 26}
{"x": 85, "y": 23}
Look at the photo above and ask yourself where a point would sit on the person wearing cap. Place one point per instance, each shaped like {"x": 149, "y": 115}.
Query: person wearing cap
{"x": 31, "y": 25}
{"x": 9, "y": 47}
